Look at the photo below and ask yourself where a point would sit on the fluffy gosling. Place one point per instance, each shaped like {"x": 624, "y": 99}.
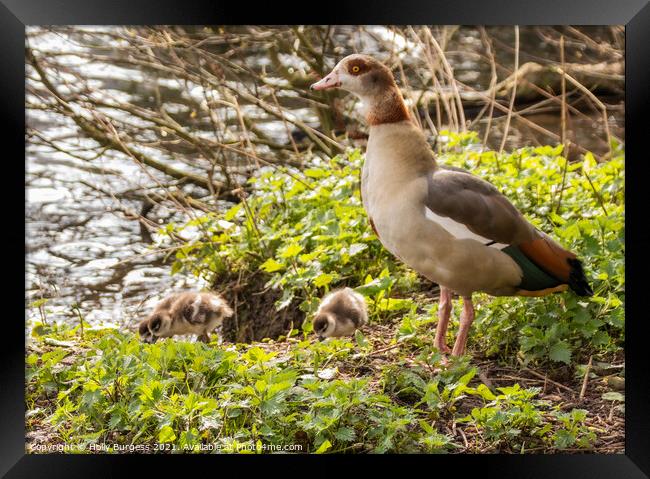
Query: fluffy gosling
{"x": 340, "y": 313}
{"x": 185, "y": 313}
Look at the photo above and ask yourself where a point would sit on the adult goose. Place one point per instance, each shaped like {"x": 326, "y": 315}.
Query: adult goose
{"x": 452, "y": 227}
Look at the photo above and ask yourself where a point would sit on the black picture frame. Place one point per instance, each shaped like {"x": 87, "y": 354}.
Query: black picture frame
{"x": 634, "y": 14}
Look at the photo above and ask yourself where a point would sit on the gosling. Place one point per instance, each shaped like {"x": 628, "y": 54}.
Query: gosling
{"x": 340, "y": 313}
{"x": 185, "y": 313}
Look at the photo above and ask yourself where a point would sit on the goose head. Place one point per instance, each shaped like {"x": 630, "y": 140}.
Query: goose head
{"x": 373, "y": 83}
{"x": 359, "y": 74}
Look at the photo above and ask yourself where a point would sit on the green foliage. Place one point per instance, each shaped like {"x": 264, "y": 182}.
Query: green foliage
{"x": 515, "y": 419}
{"x": 573, "y": 432}
{"x": 175, "y": 396}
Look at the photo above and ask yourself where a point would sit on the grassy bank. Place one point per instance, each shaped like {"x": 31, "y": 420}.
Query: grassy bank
{"x": 368, "y": 394}
{"x": 524, "y": 387}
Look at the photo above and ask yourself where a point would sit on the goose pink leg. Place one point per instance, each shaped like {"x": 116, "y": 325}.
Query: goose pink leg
{"x": 444, "y": 311}
{"x": 466, "y": 320}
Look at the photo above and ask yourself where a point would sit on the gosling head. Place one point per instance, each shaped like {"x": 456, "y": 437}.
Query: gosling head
{"x": 324, "y": 325}
{"x": 155, "y": 326}
{"x": 143, "y": 330}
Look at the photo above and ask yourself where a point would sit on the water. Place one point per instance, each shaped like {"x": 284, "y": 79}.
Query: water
{"x": 81, "y": 247}
{"x": 84, "y": 249}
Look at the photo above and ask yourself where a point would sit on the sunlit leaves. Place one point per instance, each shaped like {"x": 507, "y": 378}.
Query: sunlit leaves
{"x": 271, "y": 266}
{"x": 166, "y": 435}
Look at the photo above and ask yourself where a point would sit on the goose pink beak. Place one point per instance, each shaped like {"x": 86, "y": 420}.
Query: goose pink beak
{"x": 330, "y": 81}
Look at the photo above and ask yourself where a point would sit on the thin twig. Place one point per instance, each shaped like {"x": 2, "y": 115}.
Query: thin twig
{"x": 563, "y": 137}
{"x": 514, "y": 92}
{"x": 585, "y": 380}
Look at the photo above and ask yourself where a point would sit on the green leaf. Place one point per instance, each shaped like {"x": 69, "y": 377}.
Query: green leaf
{"x": 325, "y": 446}
{"x": 323, "y": 279}
{"x": 375, "y": 286}
{"x": 613, "y": 396}
{"x": 291, "y": 251}
{"x": 260, "y": 385}
{"x": 166, "y": 434}
{"x": 38, "y": 302}
{"x": 360, "y": 339}
{"x": 466, "y": 378}
{"x": 564, "y": 439}
{"x": 285, "y": 300}
{"x": 232, "y": 212}
{"x": 557, "y": 151}
{"x": 271, "y": 265}
{"x": 316, "y": 173}
{"x": 345, "y": 434}
{"x": 561, "y": 352}
{"x": 393, "y": 304}
{"x": 600, "y": 338}
{"x": 485, "y": 392}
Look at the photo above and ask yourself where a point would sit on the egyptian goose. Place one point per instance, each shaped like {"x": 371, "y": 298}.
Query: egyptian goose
{"x": 447, "y": 224}
{"x": 185, "y": 313}
{"x": 340, "y": 313}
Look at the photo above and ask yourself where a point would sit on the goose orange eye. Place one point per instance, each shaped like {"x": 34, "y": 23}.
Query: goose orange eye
{"x": 355, "y": 69}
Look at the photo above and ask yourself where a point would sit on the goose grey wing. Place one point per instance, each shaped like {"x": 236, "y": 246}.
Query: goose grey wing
{"x": 470, "y": 207}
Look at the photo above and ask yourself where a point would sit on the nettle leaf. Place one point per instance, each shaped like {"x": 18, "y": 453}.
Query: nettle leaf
{"x": 291, "y": 251}
{"x": 38, "y": 303}
{"x": 324, "y": 447}
{"x": 345, "y": 434}
{"x": 271, "y": 266}
{"x": 285, "y": 300}
{"x": 271, "y": 407}
{"x": 307, "y": 257}
{"x": 115, "y": 420}
{"x": 323, "y": 279}
{"x": 560, "y": 352}
{"x": 375, "y": 286}
{"x": 316, "y": 173}
{"x": 393, "y": 304}
{"x": 485, "y": 392}
{"x": 600, "y": 338}
{"x": 166, "y": 434}
{"x": 466, "y": 378}
{"x": 613, "y": 396}
{"x": 564, "y": 439}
